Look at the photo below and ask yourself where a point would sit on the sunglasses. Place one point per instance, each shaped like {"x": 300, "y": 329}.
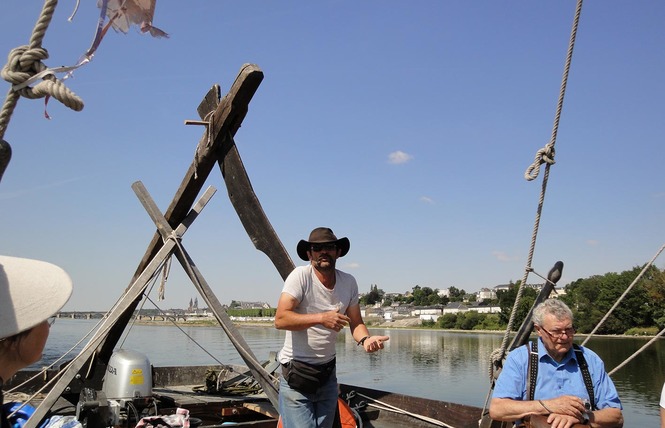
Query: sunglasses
{"x": 322, "y": 247}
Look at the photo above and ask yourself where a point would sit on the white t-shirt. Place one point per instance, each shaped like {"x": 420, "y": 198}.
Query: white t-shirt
{"x": 316, "y": 344}
{"x": 662, "y": 397}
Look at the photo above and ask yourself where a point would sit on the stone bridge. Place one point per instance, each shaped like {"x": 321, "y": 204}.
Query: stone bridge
{"x": 98, "y": 315}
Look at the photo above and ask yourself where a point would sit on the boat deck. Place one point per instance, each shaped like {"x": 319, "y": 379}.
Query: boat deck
{"x": 214, "y": 410}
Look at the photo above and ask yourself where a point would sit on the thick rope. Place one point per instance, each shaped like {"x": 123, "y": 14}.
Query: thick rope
{"x": 23, "y": 63}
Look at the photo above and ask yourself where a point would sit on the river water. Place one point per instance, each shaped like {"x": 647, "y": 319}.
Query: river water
{"x": 440, "y": 365}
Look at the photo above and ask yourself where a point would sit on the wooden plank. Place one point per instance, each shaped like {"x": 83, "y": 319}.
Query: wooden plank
{"x": 226, "y": 120}
{"x": 264, "y": 408}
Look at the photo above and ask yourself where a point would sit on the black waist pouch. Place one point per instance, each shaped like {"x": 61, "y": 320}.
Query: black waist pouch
{"x": 306, "y": 377}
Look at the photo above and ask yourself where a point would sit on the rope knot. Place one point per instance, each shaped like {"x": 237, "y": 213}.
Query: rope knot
{"x": 23, "y": 63}
{"x": 24, "y": 66}
{"x": 544, "y": 155}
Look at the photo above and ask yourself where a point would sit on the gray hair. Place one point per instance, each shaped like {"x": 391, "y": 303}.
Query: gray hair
{"x": 554, "y": 307}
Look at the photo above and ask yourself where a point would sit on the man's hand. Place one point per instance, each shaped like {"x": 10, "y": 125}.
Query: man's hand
{"x": 374, "y": 343}
{"x": 561, "y": 421}
{"x": 566, "y": 405}
{"x": 334, "y": 320}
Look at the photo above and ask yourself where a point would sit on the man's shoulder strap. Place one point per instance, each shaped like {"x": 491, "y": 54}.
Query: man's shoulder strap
{"x": 584, "y": 368}
{"x": 532, "y": 369}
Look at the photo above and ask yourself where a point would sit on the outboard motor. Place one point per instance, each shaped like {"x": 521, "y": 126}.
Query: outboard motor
{"x": 126, "y": 392}
{"x": 128, "y": 378}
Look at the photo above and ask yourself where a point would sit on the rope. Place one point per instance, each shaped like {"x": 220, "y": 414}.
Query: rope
{"x": 545, "y": 155}
{"x": 23, "y": 63}
{"x": 630, "y": 287}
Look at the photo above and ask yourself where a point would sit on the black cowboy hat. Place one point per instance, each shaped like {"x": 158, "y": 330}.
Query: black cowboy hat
{"x": 322, "y": 235}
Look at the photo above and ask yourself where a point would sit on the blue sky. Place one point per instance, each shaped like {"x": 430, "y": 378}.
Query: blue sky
{"x": 406, "y": 126}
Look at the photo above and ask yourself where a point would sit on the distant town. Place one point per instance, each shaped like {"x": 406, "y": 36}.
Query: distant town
{"x": 422, "y": 303}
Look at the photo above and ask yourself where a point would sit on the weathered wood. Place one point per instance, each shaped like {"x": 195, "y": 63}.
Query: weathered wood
{"x": 226, "y": 120}
{"x": 249, "y": 209}
{"x": 263, "y": 408}
{"x": 135, "y": 292}
{"x": 457, "y": 415}
{"x": 260, "y": 374}
{"x": 210, "y": 101}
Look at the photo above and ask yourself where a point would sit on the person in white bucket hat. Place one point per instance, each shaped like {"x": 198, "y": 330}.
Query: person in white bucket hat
{"x": 31, "y": 292}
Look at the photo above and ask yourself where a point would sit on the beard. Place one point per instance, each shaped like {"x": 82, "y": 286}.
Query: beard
{"x": 324, "y": 263}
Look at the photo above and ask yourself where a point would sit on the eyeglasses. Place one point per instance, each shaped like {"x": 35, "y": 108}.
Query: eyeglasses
{"x": 558, "y": 334}
{"x": 323, "y": 247}
{"x": 51, "y": 320}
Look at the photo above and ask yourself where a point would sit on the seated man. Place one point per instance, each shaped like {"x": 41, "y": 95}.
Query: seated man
{"x": 557, "y": 388}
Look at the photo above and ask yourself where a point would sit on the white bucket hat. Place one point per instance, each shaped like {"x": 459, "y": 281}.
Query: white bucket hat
{"x": 31, "y": 291}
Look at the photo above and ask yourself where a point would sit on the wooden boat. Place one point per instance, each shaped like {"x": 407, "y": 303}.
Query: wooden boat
{"x": 181, "y": 387}
{"x": 184, "y": 387}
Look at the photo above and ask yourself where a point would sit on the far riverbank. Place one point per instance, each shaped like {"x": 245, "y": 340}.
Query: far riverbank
{"x": 408, "y": 323}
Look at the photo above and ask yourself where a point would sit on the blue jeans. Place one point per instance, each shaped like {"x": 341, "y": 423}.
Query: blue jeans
{"x": 305, "y": 410}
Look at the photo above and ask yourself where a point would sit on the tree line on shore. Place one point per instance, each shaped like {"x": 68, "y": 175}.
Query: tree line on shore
{"x": 641, "y": 312}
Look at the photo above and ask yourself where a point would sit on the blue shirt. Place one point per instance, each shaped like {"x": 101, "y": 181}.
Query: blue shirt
{"x": 555, "y": 378}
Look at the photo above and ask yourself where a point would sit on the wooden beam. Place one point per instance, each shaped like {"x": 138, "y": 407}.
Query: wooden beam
{"x": 226, "y": 117}
{"x": 260, "y": 374}
{"x": 133, "y": 293}
{"x": 250, "y": 211}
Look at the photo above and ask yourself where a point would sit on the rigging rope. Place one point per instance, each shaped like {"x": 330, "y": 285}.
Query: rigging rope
{"x": 545, "y": 155}
{"x": 23, "y": 63}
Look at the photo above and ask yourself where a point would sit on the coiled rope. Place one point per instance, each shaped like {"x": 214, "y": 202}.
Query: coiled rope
{"x": 23, "y": 63}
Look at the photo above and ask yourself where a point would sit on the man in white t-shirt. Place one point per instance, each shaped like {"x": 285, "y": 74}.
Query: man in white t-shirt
{"x": 317, "y": 301}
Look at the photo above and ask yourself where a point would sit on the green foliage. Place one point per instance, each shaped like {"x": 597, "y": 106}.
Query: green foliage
{"x": 428, "y": 323}
{"x": 644, "y": 306}
{"x": 455, "y": 294}
{"x": 507, "y": 301}
{"x": 489, "y": 322}
{"x": 447, "y": 321}
{"x": 374, "y": 296}
{"x": 468, "y": 320}
{"x": 642, "y": 331}
{"x": 270, "y": 312}
{"x": 425, "y": 296}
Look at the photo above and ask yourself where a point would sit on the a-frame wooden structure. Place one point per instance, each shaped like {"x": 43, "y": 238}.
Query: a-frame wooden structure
{"x": 222, "y": 118}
